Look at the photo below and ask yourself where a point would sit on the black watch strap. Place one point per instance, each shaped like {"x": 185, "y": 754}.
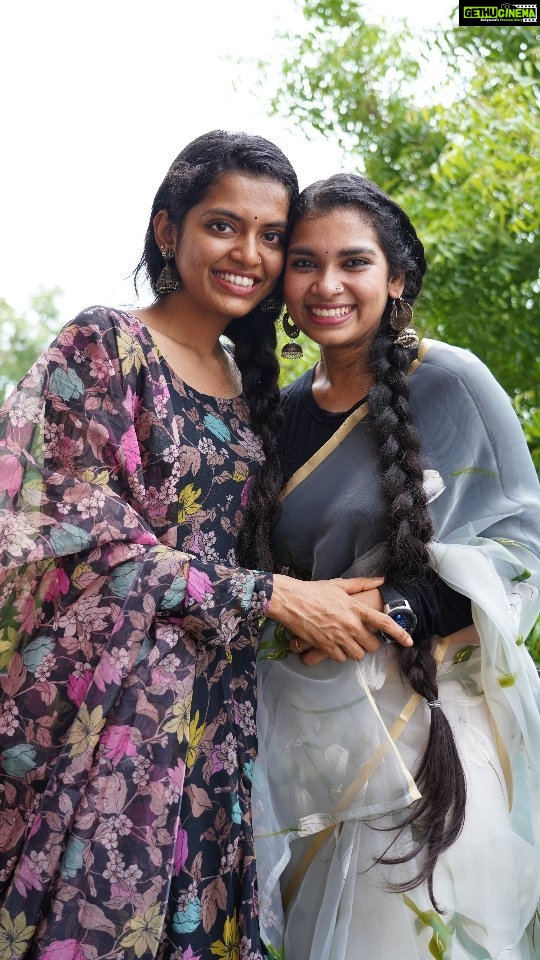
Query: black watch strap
{"x": 389, "y": 593}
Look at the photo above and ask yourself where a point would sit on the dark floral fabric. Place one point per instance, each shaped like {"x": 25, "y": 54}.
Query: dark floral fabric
{"x": 127, "y": 642}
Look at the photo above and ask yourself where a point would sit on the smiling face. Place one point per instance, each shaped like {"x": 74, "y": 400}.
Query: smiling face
{"x": 336, "y": 280}
{"x": 229, "y": 250}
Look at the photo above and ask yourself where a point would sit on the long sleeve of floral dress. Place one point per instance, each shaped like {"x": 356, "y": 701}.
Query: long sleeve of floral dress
{"x": 122, "y": 609}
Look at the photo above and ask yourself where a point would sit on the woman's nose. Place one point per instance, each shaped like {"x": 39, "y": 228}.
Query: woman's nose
{"x": 328, "y": 283}
{"x": 246, "y": 250}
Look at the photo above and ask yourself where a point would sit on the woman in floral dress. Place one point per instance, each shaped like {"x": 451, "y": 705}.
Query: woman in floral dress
{"x": 128, "y": 629}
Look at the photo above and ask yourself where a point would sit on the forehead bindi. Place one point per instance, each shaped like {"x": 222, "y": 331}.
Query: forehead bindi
{"x": 247, "y": 198}
{"x": 338, "y": 233}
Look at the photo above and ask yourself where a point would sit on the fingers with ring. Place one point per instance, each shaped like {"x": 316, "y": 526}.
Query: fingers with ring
{"x": 296, "y": 646}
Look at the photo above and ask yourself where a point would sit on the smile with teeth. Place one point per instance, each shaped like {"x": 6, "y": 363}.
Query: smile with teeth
{"x": 235, "y": 278}
{"x": 331, "y": 311}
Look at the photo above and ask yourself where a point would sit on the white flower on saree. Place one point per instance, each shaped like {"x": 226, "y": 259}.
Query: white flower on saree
{"x": 434, "y": 485}
{"x": 14, "y": 531}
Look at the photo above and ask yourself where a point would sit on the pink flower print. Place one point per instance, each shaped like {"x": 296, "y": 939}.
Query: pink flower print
{"x": 109, "y": 668}
{"x": 145, "y": 537}
{"x": 118, "y": 743}
{"x": 176, "y": 776}
{"x": 11, "y": 475}
{"x": 180, "y": 850}
{"x": 77, "y": 686}
{"x": 64, "y": 950}
{"x": 199, "y": 585}
{"x": 27, "y": 877}
{"x": 56, "y": 582}
{"x": 216, "y": 760}
{"x": 246, "y": 491}
{"x": 129, "y": 446}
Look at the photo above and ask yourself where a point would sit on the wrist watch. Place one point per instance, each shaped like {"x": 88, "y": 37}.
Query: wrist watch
{"x": 399, "y": 608}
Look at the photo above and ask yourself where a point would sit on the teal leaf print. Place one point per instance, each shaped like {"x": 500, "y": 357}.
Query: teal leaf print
{"x": 66, "y": 538}
{"x": 17, "y": 761}
{"x": 146, "y": 647}
{"x": 236, "y": 815}
{"x": 66, "y": 384}
{"x": 72, "y": 860}
{"x": 186, "y": 921}
{"x": 217, "y": 427}
{"x": 176, "y": 594}
{"x": 122, "y": 579}
{"x": 35, "y": 651}
{"x": 247, "y": 593}
{"x": 474, "y": 949}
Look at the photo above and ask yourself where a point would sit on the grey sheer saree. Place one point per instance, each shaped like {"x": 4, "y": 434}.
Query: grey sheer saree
{"x": 339, "y": 744}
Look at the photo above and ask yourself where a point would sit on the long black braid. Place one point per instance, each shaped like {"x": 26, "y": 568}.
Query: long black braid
{"x": 190, "y": 176}
{"x": 439, "y": 814}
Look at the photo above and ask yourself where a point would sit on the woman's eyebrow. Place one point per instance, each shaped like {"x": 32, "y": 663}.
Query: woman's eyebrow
{"x": 231, "y": 215}
{"x": 346, "y": 252}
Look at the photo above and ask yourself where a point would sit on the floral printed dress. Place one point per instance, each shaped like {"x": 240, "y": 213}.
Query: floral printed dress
{"x": 127, "y": 642}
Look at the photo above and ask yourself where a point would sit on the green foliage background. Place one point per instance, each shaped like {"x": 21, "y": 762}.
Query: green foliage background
{"x": 462, "y": 158}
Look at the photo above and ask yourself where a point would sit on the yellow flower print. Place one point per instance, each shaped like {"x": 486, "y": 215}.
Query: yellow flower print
{"x": 14, "y": 935}
{"x": 145, "y": 931}
{"x": 85, "y": 730}
{"x": 195, "y": 736}
{"x": 130, "y": 352}
{"x": 9, "y": 639}
{"x": 241, "y": 471}
{"x": 229, "y": 947}
{"x": 180, "y": 722}
{"x": 187, "y": 499}
{"x": 101, "y": 477}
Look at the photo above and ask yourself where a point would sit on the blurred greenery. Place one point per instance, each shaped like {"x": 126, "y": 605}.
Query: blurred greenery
{"x": 24, "y": 335}
{"x": 461, "y": 157}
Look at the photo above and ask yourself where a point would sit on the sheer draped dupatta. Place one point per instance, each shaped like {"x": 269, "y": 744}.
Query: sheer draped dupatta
{"x": 339, "y": 744}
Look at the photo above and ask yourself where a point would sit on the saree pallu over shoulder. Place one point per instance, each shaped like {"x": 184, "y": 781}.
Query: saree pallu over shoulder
{"x": 107, "y": 622}
{"x": 339, "y": 744}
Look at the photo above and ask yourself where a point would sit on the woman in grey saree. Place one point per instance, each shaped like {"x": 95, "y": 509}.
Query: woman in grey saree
{"x": 341, "y": 745}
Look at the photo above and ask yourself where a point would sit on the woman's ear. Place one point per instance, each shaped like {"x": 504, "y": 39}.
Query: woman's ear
{"x": 164, "y": 230}
{"x": 396, "y": 286}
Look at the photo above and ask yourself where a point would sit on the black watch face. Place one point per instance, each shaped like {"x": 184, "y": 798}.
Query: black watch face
{"x": 405, "y": 619}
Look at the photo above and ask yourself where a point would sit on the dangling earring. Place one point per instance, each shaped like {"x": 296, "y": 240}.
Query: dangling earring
{"x": 168, "y": 280}
{"x": 400, "y": 315}
{"x": 291, "y": 351}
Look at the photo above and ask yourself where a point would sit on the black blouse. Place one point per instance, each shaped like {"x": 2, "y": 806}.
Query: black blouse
{"x": 439, "y": 609}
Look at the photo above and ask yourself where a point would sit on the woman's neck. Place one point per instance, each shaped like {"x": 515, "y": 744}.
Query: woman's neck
{"x": 342, "y": 378}
{"x": 191, "y": 346}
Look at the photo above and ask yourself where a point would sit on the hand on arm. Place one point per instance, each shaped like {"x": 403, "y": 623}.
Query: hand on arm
{"x": 333, "y": 618}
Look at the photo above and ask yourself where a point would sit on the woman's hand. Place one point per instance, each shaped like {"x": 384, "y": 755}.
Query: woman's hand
{"x": 333, "y": 618}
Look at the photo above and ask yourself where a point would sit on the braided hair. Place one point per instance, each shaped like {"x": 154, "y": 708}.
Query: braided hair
{"x": 439, "y": 814}
{"x": 192, "y": 173}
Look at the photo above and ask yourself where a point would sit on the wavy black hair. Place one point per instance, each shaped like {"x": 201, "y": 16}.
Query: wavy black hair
{"x": 439, "y": 814}
{"x": 190, "y": 176}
